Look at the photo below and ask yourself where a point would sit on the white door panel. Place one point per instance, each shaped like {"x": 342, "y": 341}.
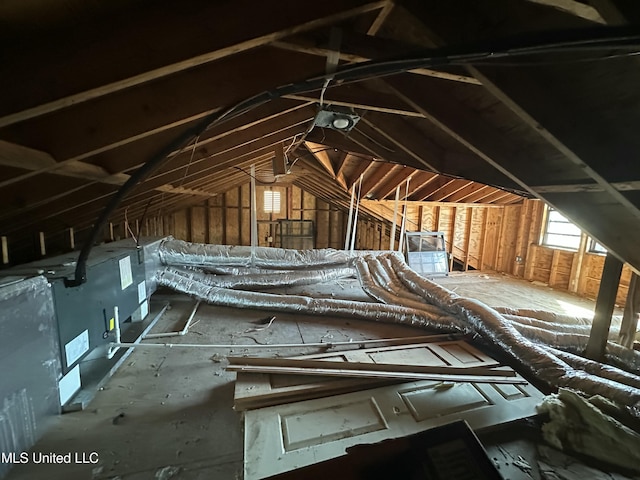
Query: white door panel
{"x": 285, "y": 437}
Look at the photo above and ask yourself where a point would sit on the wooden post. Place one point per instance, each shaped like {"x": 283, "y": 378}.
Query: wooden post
{"x": 5, "y": 250}
{"x": 553, "y": 272}
{"x": 42, "y": 243}
{"x": 223, "y": 214}
{"x": 631, "y": 313}
{"x": 71, "y": 238}
{"x": 483, "y": 238}
{"x": 452, "y": 239}
{"x": 207, "y": 221}
{"x": 522, "y": 238}
{"x": 111, "y": 237}
{"x": 576, "y": 265}
{"x": 467, "y": 239}
{"x": 531, "y": 262}
{"x": 604, "y": 308}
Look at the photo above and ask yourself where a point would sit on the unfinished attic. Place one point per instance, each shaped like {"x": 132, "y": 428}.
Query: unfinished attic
{"x": 277, "y": 239}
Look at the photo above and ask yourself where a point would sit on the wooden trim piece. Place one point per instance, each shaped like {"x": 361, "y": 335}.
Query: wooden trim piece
{"x": 375, "y": 367}
{"x": 328, "y": 372}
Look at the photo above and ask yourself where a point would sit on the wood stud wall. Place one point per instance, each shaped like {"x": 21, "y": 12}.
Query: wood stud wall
{"x": 500, "y": 238}
{"x": 225, "y": 219}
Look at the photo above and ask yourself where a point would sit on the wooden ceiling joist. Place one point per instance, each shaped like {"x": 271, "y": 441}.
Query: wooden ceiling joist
{"x": 573, "y": 7}
{"x": 241, "y": 38}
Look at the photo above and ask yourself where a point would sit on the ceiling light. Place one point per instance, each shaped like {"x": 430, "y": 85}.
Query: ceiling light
{"x": 341, "y": 120}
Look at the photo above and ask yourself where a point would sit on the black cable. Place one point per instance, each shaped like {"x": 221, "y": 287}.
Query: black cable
{"x": 578, "y": 40}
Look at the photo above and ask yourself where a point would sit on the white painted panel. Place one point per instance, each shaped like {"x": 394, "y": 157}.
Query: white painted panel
{"x": 285, "y": 437}
{"x": 144, "y": 310}
{"x": 309, "y": 429}
{"x": 142, "y": 291}
{"x": 77, "y": 347}
{"x": 430, "y": 401}
{"x": 69, "y": 385}
{"x": 126, "y": 277}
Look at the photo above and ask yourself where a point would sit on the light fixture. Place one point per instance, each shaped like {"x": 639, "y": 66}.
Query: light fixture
{"x": 340, "y": 120}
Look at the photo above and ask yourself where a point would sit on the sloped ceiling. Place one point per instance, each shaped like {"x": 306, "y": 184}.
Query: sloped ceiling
{"x": 94, "y": 90}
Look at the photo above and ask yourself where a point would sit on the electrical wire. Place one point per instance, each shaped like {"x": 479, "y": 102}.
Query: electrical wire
{"x": 252, "y": 176}
{"x": 566, "y": 41}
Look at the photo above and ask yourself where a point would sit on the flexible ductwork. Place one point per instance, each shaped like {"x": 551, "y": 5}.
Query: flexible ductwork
{"x": 494, "y": 328}
{"x": 259, "y": 281}
{"x": 558, "y": 327}
{"x": 192, "y": 285}
{"x": 544, "y": 315}
{"x": 530, "y": 337}
{"x": 179, "y": 253}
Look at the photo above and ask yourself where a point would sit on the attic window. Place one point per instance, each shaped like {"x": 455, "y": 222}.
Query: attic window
{"x": 560, "y": 231}
{"x": 271, "y": 201}
{"x": 595, "y": 247}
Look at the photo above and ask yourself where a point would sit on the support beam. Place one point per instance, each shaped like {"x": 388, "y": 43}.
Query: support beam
{"x": 239, "y": 36}
{"x": 71, "y": 238}
{"x": 337, "y": 97}
{"x": 604, "y": 308}
{"x": 631, "y": 314}
{"x": 42, "y": 244}
{"x": 380, "y": 19}
{"x": 587, "y": 187}
{"x": 575, "y": 8}
{"x": 356, "y": 49}
{"x": 576, "y": 265}
{"x": 4, "y": 246}
{"x": 467, "y": 237}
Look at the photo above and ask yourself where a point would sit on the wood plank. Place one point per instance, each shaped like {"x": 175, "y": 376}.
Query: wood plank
{"x": 587, "y": 187}
{"x": 554, "y": 267}
{"x": 4, "y": 247}
{"x": 329, "y": 372}
{"x": 576, "y": 266}
{"x": 257, "y": 390}
{"x": 467, "y": 238}
{"x": 604, "y": 308}
{"x": 18, "y": 156}
{"x": 381, "y": 18}
{"x": 573, "y": 7}
{"x": 344, "y": 366}
{"x": 354, "y": 55}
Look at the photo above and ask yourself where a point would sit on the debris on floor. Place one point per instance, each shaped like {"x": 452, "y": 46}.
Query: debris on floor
{"x": 555, "y": 465}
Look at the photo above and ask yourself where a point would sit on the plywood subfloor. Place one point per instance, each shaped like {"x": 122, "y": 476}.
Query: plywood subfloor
{"x": 501, "y": 290}
{"x": 167, "y": 413}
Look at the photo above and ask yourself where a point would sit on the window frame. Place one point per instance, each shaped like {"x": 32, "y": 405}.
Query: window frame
{"x": 544, "y": 241}
{"x": 271, "y": 199}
